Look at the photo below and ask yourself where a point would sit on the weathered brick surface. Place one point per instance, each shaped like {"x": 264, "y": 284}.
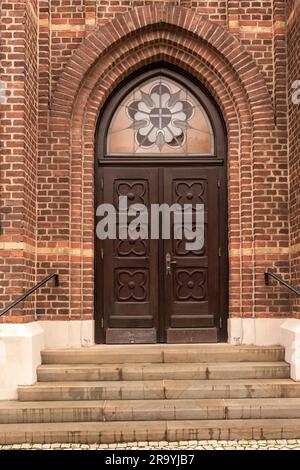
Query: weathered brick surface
{"x": 19, "y": 129}
{"x": 84, "y": 49}
{"x": 293, "y": 22}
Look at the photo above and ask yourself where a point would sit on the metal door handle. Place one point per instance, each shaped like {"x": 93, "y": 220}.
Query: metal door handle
{"x": 169, "y": 264}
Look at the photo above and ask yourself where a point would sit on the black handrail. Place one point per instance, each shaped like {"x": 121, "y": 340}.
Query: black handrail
{"x": 30, "y": 291}
{"x": 268, "y": 274}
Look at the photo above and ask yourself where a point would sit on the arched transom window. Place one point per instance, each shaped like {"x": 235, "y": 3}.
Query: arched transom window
{"x": 160, "y": 117}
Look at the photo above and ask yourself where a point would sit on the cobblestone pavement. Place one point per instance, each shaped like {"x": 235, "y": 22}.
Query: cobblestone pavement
{"x": 282, "y": 444}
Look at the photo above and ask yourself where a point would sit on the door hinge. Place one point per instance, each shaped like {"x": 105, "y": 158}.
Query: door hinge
{"x": 102, "y": 253}
{"x": 219, "y": 183}
{"x": 102, "y": 322}
{"x": 102, "y": 184}
{"x": 220, "y": 252}
{"x": 221, "y": 323}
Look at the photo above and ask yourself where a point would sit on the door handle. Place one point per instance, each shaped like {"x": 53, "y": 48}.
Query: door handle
{"x": 169, "y": 264}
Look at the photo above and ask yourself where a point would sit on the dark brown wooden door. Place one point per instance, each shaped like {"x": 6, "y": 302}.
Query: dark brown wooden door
{"x": 130, "y": 275}
{"x": 192, "y": 275}
{"x": 155, "y": 289}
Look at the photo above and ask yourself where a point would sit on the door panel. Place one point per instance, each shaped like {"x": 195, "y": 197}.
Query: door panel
{"x": 130, "y": 275}
{"x": 158, "y": 290}
{"x": 191, "y": 282}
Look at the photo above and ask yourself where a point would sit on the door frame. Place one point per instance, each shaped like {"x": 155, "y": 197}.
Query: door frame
{"x": 204, "y": 161}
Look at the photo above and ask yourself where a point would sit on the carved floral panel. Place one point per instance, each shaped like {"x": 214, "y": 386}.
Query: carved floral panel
{"x": 131, "y": 285}
{"x": 190, "y": 284}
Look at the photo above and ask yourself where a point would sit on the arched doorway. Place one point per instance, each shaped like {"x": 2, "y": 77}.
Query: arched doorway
{"x": 160, "y": 139}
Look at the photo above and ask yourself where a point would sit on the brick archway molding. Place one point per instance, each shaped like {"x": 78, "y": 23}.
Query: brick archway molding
{"x": 214, "y": 56}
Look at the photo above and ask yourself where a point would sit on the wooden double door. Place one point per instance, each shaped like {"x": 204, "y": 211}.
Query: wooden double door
{"x": 152, "y": 290}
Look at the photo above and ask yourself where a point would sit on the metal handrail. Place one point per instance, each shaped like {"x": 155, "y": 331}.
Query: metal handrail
{"x": 269, "y": 274}
{"x": 30, "y": 291}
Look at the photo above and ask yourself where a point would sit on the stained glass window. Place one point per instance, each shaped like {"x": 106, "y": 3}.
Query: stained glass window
{"x": 160, "y": 117}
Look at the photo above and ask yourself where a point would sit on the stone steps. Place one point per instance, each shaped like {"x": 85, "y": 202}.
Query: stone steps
{"x": 132, "y": 431}
{"x": 109, "y": 394}
{"x": 115, "y": 354}
{"x": 161, "y": 371}
{"x": 148, "y": 410}
{"x": 164, "y": 389}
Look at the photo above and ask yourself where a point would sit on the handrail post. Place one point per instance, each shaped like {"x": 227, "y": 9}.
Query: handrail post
{"x": 56, "y": 280}
{"x": 267, "y": 279}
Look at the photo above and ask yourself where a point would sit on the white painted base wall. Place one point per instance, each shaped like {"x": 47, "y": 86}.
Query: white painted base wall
{"x": 290, "y": 339}
{"x": 257, "y": 331}
{"x": 68, "y": 334}
{"x": 268, "y": 332}
{"x": 21, "y": 344}
{"x": 20, "y": 354}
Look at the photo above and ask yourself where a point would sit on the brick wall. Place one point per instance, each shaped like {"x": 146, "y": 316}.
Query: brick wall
{"x": 244, "y": 67}
{"x": 294, "y": 139}
{"x": 19, "y": 130}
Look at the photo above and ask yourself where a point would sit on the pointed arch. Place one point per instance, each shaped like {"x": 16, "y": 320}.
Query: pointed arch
{"x": 167, "y": 20}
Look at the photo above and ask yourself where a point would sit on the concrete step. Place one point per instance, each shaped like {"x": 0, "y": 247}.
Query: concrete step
{"x": 150, "y": 410}
{"x": 132, "y": 431}
{"x": 160, "y": 371}
{"x": 179, "y": 389}
{"x": 115, "y": 354}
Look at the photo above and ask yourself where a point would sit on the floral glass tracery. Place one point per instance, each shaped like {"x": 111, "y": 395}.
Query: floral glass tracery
{"x": 160, "y": 117}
